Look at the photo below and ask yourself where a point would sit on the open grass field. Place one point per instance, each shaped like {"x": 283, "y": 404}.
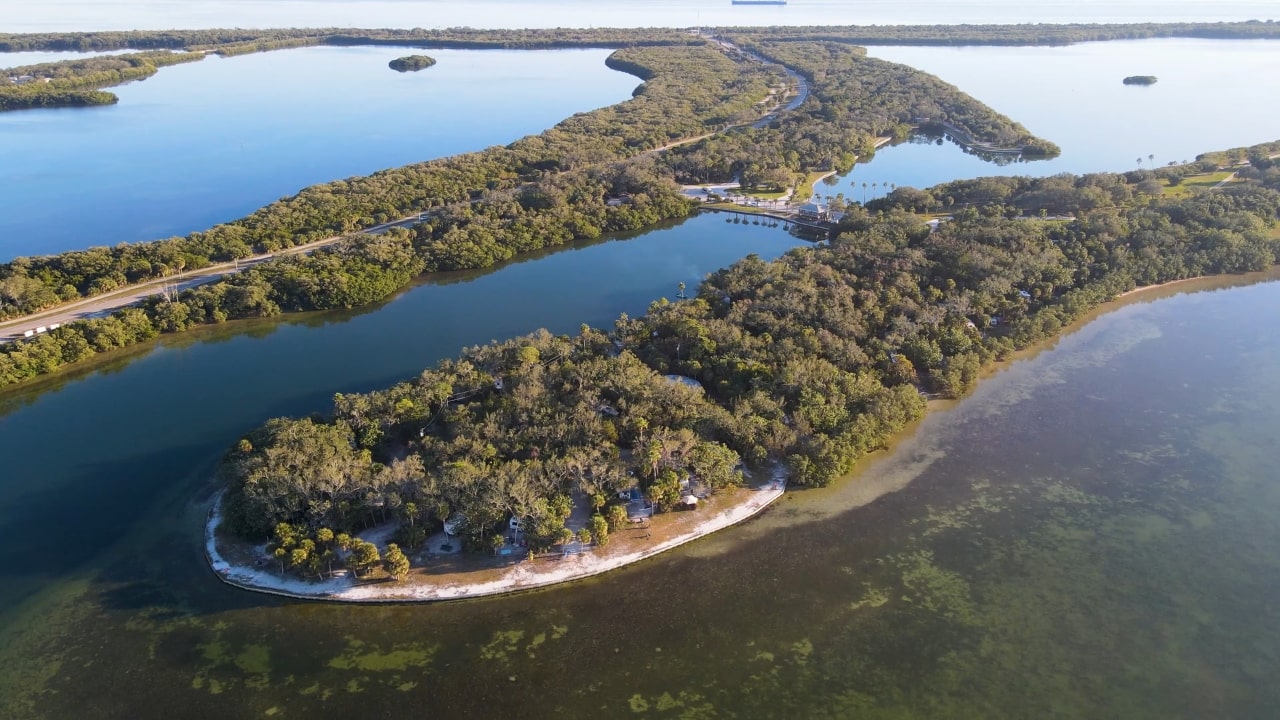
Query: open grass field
{"x": 735, "y": 208}
{"x": 804, "y": 188}
{"x": 1195, "y": 182}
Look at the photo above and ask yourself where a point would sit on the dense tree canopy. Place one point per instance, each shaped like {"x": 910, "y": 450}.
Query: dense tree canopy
{"x": 79, "y": 82}
{"x": 813, "y": 360}
{"x": 591, "y": 174}
{"x": 689, "y": 90}
{"x": 1025, "y": 34}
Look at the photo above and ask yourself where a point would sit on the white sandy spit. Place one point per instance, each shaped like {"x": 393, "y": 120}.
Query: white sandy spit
{"x": 522, "y": 576}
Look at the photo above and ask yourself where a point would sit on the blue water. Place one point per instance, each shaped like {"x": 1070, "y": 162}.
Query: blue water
{"x": 35, "y": 57}
{"x": 147, "y": 420}
{"x": 211, "y": 141}
{"x": 1209, "y": 97}
{"x": 1086, "y": 538}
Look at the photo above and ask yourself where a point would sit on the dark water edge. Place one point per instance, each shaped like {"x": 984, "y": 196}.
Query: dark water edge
{"x": 88, "y": 453}
{"x": 1089, "y": 535}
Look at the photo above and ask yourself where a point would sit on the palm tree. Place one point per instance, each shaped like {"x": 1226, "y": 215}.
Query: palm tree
{"x": 864, "y": 193}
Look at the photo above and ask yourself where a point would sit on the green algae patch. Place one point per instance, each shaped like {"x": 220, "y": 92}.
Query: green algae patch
{"x": 255, "y": 659}
{"x": 506, "y": 643}
{"x": 1056, "y": 493}
{"x": 503, "y": 644}
{"x": 216, "y": 651}
{"x": 226, "y": 667}
{"x": 872, "y": 598}
{"x": 398, "y": 657}
{"x": 801, "y": 650}
{"x": 685, "y": 705}
{"x": 968, "y": 514}
{"x": 935, "y": 589}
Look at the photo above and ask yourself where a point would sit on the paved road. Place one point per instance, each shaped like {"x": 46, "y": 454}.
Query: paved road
{"x": 1232, "y": 176}
{"x": 802, "y": 85}
{"x": 106, "y": 303}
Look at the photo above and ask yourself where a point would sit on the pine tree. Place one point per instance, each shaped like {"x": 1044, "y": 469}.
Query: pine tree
{"x": 395, "y": 562}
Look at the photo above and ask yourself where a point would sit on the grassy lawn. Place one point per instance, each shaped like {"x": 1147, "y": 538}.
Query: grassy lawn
{"x": 804, "y": 190}
{"x": 1203, "y": 182}
{"x": 776, "y": 195}
{"x": 735, "y": 208}
{"x": 757, "y": 194}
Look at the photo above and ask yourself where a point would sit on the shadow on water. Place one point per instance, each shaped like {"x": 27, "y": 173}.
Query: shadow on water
{"x": 96, "y": 515}
{"x": 110, "y": 363}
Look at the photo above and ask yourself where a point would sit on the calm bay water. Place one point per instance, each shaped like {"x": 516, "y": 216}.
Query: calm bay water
{"x": 1208, "y": 97}
{"x": 211, "y": 141}
{"x": 51, "y": 15}
{"x": 35, "y": 57}
{"x": 1089, "y": 535}
{"x": 154, "y": 417}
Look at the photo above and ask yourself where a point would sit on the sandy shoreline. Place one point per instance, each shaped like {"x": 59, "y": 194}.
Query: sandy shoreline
{"x": 527, "y": 576}
{"x": 1145, "y": 288}
{"x": 517, "y": 578}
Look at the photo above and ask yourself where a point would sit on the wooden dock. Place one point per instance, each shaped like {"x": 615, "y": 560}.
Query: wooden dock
{"x": 816, "y": 226}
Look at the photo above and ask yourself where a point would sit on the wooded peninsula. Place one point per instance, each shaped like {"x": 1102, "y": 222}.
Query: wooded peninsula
{"x": 595, "y": 173}
{"x": 812, "y": 360}
{"x": 808, "y": 362}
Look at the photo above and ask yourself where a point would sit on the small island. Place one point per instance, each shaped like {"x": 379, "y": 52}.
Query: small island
{"x": 411, "y": 63}
{"x": 1140, "y": 80}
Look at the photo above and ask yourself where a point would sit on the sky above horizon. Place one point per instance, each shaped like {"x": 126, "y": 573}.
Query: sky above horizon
{"x": 23, "y": 16}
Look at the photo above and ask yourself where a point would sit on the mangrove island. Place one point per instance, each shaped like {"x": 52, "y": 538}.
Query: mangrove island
{"x": 411, "y": 63}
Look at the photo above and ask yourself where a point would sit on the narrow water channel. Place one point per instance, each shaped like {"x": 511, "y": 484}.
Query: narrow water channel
{"x": 87, "y": 452}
